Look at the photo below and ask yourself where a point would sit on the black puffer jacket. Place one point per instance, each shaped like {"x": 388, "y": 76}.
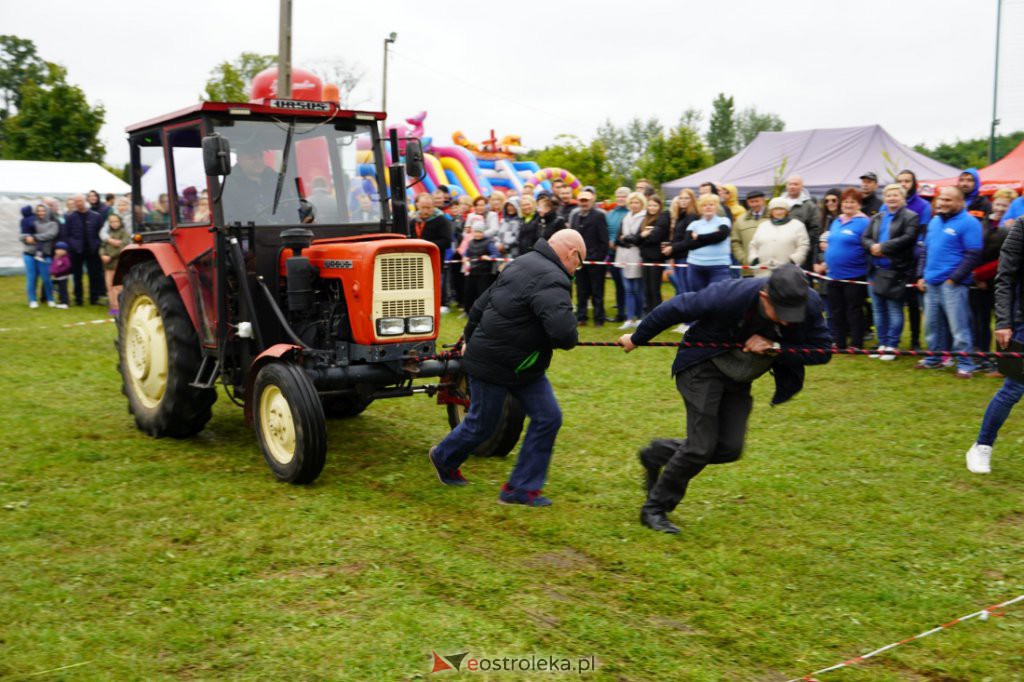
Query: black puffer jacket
{"x": 1010, "y": 278}
{"x": 516, "y": 324}
{"x": 899, "y": 247}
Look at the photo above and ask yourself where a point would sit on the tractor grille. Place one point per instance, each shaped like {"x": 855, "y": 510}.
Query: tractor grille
{"x": 398, "y": 273}
{"x": 403, "y": 308}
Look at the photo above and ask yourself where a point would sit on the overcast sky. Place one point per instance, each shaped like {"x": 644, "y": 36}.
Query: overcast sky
{"x": 923, "y": 70}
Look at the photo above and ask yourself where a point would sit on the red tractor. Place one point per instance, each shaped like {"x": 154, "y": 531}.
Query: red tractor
{"x": 268, "y": 256}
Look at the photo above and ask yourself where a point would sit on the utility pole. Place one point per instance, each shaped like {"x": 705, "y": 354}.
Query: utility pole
{"x": 384, "y": 89}
{"x": 284, "y": 52}
{"x": 995, "y": 87}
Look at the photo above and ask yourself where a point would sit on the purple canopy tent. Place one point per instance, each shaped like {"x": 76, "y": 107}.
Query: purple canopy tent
{"x": 824, "y": 157}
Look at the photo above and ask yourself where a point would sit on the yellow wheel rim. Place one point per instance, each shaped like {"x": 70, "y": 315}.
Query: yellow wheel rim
{"x": 145, "y": 352}
{"x": 462, "y": 391}
{"x": 276, "y": 425}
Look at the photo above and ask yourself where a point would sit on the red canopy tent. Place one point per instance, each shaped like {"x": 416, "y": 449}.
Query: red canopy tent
{"x": 1006, "y": 172}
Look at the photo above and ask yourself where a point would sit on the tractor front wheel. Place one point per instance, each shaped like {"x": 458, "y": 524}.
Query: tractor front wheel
{"x": 289, "y": 422}
{"x": 159, "y": 356}
{"x": 510, "y": 426}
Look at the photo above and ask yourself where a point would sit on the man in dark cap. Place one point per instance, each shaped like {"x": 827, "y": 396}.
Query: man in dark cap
{"x": 869, "y": 188}
{"x": 765, "y": 316}
{"x": 745, "y": 226}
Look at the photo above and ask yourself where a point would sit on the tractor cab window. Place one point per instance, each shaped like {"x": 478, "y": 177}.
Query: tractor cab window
{"x": 191, "y": 205}
{"x": 150, "y": 205}
{"x": 293, "y": 172}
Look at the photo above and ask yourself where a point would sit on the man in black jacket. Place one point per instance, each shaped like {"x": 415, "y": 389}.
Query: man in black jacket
{"x": 512, "y": 332}
{"x": 767, "y": 316}
{"x": 592, "y": 225}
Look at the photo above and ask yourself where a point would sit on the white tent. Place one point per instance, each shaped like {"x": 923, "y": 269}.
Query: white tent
{"x": 27, "y": 182}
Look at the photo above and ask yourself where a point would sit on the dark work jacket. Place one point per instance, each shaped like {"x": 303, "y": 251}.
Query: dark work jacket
{"x": 1010, "y": 279}
{"x": 650, "y": 246}
{"x": 516, "y": 324}
{"x": 550, "y": 223}
{"x": 679, "y": 239}
{"x": 871, "y": 204}
{"x": 436, "y": 229}
{"x": 82, "y": 231}
{"x": 594, "y": 228}
{"x": 899, "y": 248}
{"x": 719, "y": 313}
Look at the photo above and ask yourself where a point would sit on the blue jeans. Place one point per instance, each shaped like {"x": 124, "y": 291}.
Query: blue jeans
{"x": 947, "y": 321}
{"x": 677, "y": 275}
{"x": 485, "y": 407}
{"x": 634, "y": 297}
{"x": 35, "y": 270}
{"x": 700, "y": 276}
{"x": 888, "y": 315}
{"x": 1001, "y": 404}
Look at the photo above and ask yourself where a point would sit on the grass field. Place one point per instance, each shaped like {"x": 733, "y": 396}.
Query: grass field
{"x": 850, "y": 523}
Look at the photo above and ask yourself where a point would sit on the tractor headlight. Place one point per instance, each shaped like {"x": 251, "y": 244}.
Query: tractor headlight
{"x": 390, "y": 326}
{"x": 421, "y": 324}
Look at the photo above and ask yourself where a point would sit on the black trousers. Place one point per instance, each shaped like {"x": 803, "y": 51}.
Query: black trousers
{"x": 717, "y": 410}
{"x": 914, "y": 313}
{"x": 846, "y": 313}
{"x": 982, "y": 302}
{"x": 473, "y": 286}
{"x": 652, "y": 287}
{"x": 620, "y": 293}
{"x": 590, "y": 287}
{"x": 94, "y": 266}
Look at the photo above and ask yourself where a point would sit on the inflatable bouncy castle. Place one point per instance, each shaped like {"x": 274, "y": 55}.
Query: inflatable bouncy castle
{"x": 475, "y": 170}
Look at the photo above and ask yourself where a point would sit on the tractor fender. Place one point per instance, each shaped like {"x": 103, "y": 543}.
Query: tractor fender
{"x": 171, "y": 265}
{"x": 280, "y": 351}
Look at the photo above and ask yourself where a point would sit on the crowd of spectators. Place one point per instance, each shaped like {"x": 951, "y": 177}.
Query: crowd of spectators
{"x": 880, "y": 256}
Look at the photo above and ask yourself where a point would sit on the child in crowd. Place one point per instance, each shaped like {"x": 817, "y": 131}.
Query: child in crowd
{"x": 110, "y": 252}
{"x": 479, "y": 272}
{"x": 60, "y": 270}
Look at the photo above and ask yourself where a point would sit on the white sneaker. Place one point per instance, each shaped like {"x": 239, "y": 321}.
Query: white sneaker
{"x": 445, "y": 309}
{"x": 636, "y": 323}
{"x": 61, "y": 306}
{"x": 628, "y": 324}
{"x": 52, "y": 304}
{"x": 887, "y": 356}
{"x": 33, "y": 304}
{"x": 979, "y": 459}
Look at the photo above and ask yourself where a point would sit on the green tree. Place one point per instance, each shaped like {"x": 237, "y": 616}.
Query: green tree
{"x": 625, "y": 146}
{"x": 722, "y": 132}
{"x": 587, "y": 161}
{"x": 230, "y": 81}
{"x": 19, "y": 62}
{"x": 750, "y": 122}
{"x": 973, "y": 152}
{"x": 54, "y": 122}
{"x": 675, "y": 155}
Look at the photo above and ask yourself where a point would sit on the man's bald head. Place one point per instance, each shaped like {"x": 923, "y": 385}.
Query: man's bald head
{"x": 794, "y": 186}
{"x": 949, "y": 201}
{"x": 569, "y": 247}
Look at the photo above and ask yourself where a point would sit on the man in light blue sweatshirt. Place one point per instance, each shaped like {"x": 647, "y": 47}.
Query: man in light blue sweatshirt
{"x": 952, "y": 250}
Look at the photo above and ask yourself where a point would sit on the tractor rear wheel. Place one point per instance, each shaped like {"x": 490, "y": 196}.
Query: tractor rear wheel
{"x": 159, "y": 356}
{"x": 289, "y": 422}
{"x": 510, "y": 426}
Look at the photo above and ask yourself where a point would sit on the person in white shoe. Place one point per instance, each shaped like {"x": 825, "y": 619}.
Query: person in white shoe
{"x": 627, "y": 257}
{"x": 1009, "y": 330}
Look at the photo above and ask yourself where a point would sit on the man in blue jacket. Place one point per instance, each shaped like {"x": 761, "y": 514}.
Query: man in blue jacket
{"x": 952, "y": 249}
{"x": 768, "y": 317}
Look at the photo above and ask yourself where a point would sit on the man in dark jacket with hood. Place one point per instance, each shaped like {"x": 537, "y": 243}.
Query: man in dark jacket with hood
{"x": 82, "y": 233}
{"x": 969, "y": 183}
{"x": 767, "y": 316}
{"x": 512, "y": 331}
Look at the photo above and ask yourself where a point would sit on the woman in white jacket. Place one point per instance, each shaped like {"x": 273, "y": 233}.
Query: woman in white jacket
{"x": 778, "y": 240}
{"x": 627, "y": 256}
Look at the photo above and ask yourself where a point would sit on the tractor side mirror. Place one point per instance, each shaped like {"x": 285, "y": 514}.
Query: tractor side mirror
{"x": 216, "y": 155}
{"x": 414, "y": 159}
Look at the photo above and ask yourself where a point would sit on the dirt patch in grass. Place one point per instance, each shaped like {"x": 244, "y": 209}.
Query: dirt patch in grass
{"x": 562, "y": 560}
{"x": 315, "y": 572}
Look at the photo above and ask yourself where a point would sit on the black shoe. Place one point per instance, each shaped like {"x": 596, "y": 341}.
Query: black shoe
{"x": 651, "y": 473}
{"x": 657, "y": 521}
{"x": 599, "y": 323}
